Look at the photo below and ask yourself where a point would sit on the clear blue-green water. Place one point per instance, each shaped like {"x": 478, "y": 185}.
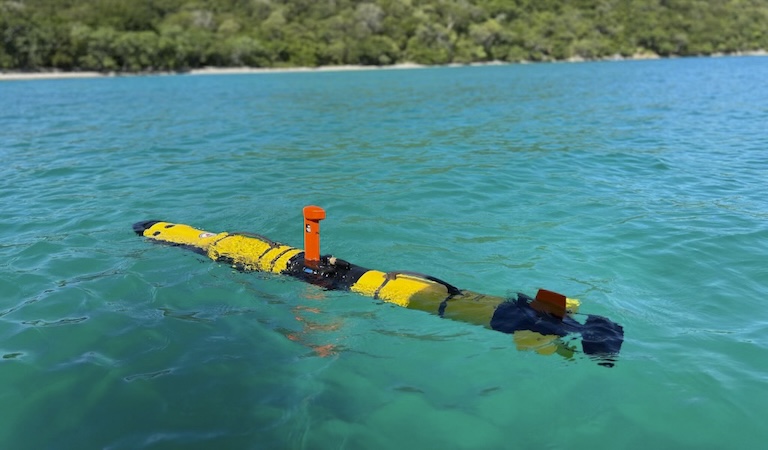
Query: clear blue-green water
{"x": 638, "y": 187}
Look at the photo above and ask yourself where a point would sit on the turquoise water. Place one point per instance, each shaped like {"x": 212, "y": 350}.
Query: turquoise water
{"x": 638, "y": 187}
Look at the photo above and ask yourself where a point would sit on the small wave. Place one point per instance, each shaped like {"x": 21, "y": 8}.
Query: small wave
{"x": 45, "y": 323}
{"x": 148, "y": 375}
{"x": 13, "y": 355}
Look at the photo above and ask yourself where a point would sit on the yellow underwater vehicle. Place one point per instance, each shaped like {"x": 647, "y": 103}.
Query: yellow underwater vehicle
{"x": 545, "y": 323}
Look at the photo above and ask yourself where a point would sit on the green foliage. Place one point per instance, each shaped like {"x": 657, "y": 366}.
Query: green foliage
{"x": 154, "y": 35}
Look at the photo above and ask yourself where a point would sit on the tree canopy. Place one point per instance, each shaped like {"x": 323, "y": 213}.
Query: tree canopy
{"x": 174, "y": 35}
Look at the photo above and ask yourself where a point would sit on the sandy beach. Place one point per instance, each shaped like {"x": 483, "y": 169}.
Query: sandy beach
{"x": 58, "y": 74}
{"x": 14, "y": 76}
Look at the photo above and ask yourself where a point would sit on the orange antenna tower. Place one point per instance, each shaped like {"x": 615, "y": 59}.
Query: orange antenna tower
{"x": 312, "y": 217}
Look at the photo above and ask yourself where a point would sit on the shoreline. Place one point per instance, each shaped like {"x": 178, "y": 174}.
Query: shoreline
{"x": 63, "y": 75}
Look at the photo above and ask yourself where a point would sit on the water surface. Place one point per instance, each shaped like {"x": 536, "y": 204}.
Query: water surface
{"x": 638, "y": 187}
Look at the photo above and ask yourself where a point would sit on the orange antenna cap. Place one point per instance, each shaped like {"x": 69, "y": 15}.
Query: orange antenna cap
{"x": 312, "y": 217}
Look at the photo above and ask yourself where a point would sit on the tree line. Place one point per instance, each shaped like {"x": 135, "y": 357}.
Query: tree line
{"x": 177, "y": 35}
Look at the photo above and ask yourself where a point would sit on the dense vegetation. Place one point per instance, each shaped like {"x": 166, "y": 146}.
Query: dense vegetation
{"x": 139, "y": 35}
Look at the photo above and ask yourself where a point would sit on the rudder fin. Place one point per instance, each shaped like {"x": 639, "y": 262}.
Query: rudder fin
{"x": 550, "y": 302}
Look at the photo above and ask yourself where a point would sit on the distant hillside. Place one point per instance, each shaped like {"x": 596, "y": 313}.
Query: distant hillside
{"x": 153, "y": 35}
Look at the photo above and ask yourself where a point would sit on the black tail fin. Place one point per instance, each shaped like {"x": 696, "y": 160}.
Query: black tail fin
{"x": 602, "y": 338}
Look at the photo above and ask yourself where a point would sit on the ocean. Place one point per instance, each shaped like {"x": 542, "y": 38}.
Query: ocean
{"x": 638, "y": 187}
